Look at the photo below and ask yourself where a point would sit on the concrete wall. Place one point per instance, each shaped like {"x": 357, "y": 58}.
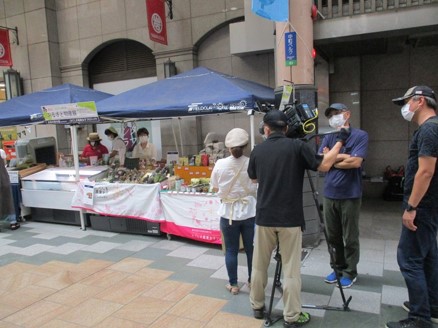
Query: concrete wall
{"x": 214, "y": 52}
{"x": 378, "y": 79}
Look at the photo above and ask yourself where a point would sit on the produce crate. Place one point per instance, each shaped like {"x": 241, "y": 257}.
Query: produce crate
{"x": 189, "y": 172}
{"x": 14, "y": 174}
{"x": 31, "y": 170}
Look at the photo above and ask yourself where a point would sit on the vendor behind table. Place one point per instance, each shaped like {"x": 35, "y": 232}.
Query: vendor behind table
{"x": 144, "y": 149}
{"x": 93, "y": 148}
{"x": 118, "y": 150}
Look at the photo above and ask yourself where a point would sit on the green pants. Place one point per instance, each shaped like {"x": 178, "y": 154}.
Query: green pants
{"x": 341, "y": 218}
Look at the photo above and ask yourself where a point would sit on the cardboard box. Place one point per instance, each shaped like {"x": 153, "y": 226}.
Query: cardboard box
{"x": 189, "y": 172}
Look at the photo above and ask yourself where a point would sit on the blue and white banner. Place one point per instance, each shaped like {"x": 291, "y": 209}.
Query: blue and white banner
{"x": 276, "y": 10}
{"x": 290, "y": 43}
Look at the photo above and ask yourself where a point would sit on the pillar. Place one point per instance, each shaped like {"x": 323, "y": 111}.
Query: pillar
{"x": 300, "y": 22}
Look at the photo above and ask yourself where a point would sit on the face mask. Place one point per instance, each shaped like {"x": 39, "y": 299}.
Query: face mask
{"x": 336, "y": 121}
{"x": 237, "y": 152}
{"x": 92, "y": 143}
{"x": 144, "y": 139}
{"x": 406, "y": 113}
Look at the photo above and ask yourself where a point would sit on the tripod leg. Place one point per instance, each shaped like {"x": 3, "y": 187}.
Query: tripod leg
{"x": 276, "y": 283}
{"x": 331, "y": 249}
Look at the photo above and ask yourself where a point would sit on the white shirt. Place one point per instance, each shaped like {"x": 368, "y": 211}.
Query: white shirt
{"x": 120, "y": 147}
{"x": 149, "y": 152}
{"x": 239, "y": 202}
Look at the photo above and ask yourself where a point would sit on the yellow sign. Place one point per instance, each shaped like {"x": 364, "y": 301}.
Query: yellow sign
{"x": 8, "y": 133}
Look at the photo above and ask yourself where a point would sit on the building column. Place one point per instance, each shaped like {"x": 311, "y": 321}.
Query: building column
{"x": 301, "y": 23}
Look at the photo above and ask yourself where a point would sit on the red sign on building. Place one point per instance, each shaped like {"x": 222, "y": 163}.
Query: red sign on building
{"x": 5, "y": 48}
{"x": 156, "y": 21}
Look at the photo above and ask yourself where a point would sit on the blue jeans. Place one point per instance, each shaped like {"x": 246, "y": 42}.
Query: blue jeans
{"x": 417, "y": 256}
{"x": 231, "y": 234}
{"x": 10, "y": 219}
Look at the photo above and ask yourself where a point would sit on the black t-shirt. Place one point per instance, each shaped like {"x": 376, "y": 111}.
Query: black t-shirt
{"x": 279, "y": 164}
{"x": 424, "y": 143}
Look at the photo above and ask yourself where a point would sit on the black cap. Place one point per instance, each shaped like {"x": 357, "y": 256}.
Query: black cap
{"x": 276, "y": 118}
{"x": 420, "y": 90}
{"x": 337, "y": 107}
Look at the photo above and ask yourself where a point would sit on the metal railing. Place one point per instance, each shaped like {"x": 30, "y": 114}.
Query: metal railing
{"x": 342, "y": 8}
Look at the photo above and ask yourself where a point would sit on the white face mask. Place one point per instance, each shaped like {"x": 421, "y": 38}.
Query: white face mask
{"x": 336, "y": 121}
{"x": 92, "y": 143}
{"x": 406, "y": 113}
{"x": 144, "y": 139}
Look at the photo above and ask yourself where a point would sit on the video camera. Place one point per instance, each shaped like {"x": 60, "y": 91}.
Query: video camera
{"x": 300, "y": 120}
{"x": 300, "y": 115}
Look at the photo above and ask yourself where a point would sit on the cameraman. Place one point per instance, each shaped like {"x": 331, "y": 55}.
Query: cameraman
{"x": 278, "y": 165}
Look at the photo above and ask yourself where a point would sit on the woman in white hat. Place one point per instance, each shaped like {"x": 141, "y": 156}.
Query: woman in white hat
{"x": 238, "y": 204}
{"x": 93, "y": 148}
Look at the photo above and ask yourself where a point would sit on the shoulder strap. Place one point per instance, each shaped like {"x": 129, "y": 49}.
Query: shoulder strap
{"x": 236, "y": 176}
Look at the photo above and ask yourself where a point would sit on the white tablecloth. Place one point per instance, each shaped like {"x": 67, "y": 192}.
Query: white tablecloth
{"x": 137, "y": 201}
{"x": 191, "y": 215}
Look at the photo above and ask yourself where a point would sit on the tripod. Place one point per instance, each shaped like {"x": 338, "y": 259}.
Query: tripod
{"x": 277, "y": 257}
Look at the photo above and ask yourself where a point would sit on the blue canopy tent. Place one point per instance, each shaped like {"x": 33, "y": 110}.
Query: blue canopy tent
{"x": 27, "y": 109}
{"x": 199, "y": 91}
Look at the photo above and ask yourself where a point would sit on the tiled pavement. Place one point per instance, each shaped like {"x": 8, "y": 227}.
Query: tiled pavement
{"x": 59, "y": 276}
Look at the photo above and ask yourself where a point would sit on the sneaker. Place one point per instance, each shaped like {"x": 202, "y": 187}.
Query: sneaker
{"x": 259, "y": 313}
{"x": 331, "y": 278}
{"x": 302, "y": 320}
{"x": 346, "y": 282}
{"x": 434, "y": 316}
{"x": 410, "y": 323}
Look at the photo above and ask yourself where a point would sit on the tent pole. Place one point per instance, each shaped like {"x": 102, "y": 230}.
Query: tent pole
{"x": 174, "y": 136}
{"x": 74, "y": 147}
{"x": 74, "y": 150}
{"x": 180, "y": 136}
{"x": 251, "y": 122}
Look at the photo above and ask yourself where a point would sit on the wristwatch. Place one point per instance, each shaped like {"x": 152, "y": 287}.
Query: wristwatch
{"x": 410, "y": 208}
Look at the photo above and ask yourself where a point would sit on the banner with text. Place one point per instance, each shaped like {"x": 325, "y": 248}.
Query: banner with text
{"x": 81, "y": 112}
{"x": 5, "y": 48}
{"x": 290, "y": 43}
{"x": 156, "y": 15}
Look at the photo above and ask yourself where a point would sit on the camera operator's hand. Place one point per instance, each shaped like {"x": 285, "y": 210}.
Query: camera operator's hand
{"x": 343, "y": 135}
